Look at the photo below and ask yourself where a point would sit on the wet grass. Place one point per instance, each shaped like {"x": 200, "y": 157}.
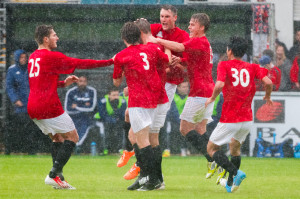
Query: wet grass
{"x": 99, "y": 177}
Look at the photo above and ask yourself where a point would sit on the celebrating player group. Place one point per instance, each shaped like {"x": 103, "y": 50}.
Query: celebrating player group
{"x": 156, "y": 59}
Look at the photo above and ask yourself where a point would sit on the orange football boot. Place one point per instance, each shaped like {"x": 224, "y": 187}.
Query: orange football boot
{"x": 132, "y": 173}
{"x": 125, "y": 158}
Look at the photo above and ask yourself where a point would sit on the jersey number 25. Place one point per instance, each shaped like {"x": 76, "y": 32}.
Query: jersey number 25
{"x": 35, "y": 67}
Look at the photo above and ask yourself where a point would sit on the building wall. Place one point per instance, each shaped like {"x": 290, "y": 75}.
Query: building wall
{"x": 284, "y": 18}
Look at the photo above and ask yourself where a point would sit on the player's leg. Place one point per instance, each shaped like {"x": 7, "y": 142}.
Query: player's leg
{"x": 63, "y": 130}
{"x": 160, "y": 114}
{"x": 222, "y": 135}
{"x": 135, "y": 169}
{"x": 141, "y": 119}
{"x": 235, "y": 151}
{"x": 128, "y": 150}
{"x": 194, "y": 118}
{"x": 147, "y": 164}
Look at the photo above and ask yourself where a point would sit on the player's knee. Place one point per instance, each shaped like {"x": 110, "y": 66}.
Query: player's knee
{"x": 154, "y": 139}
{"x": 209, "y": 149}
{"x": 131, "y": 137}
{"x": 57, "y": 138}
{"x": 183, "y": 130}
{"x": 72, "y": 136}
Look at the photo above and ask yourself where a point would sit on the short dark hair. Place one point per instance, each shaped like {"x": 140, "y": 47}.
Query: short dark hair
{"x": 131, "y": 33}
{"x": 143, "y": 25}
{"x": 169, "y": 7}
{"x": 202, "y": 19}
{"x": 269, "y": 52}
{"x": 42, "y": 31}
{"x": 113, "y": 89}
{"x": 238, "y": 46}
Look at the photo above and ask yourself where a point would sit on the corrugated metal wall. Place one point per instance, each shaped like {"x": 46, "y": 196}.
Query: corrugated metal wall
{"x": 296, "y": 10}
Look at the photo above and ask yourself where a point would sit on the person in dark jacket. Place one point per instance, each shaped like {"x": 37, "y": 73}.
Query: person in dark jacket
{"x": 80, "y": 103}
{"x": 112, "y": 110}
{"x": 22, "y": 134}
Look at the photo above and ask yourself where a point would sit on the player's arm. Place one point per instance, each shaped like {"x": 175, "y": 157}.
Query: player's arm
{"x": 217, "y": 90}
{"x": 118, "y": 71}
{"x": 168, "y": 52}
{"x": 172, "y": 45}
{"x": 118, "y": 81}
{"x": 268, "y": 87}
{"x": 69, "y": 64}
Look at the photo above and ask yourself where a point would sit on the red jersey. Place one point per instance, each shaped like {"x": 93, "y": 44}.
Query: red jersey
{"x": 44, "y": 67}
{"x": 239, "y": 89}
{"x": 199, "y": 61}
{"x": 294, "y": 72}
{"x": 139, "y": 65}
{"x": 275, "y": 76}
{"x": 176, "y": 75}
{"x": 161, "y": 70}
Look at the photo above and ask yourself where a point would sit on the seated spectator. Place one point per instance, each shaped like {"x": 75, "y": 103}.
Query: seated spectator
{"x": 284, "y": 64}
{"x": 80, "y": 104}
{"x": 112, "y": 112}
{"x": 294, "y": 74}
{"x": 274, "y": 73}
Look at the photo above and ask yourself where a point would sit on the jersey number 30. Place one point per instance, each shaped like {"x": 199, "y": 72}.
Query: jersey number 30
{"x": 35, "y": 67}
{"x": 240, "y": 78}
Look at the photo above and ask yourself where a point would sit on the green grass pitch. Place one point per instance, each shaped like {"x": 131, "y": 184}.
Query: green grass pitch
{"x": 99, "y": 177}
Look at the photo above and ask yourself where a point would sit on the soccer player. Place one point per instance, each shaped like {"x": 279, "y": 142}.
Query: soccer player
{"x": 236, "y": 79}
{"x": 138, "y": 63}
{"x": 168, "y": 30}
{"x": 44, "y": 106}
{"x": 160, "y": 111}
{"x": 195, "y": 116}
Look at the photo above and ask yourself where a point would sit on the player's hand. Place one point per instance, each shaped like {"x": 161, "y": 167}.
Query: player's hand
{"x": 268, "y": 100}
{"x": 125, "y": 91}
{"x": 208, "y": 101}
{"x": 168, "y": 70}
{"x": 70, "y": 80}
{"x": 155, "y": 40}
{"x": 74, "y": 106}
{"x": 175, "y": 60}
{"x": 18, "y": 103}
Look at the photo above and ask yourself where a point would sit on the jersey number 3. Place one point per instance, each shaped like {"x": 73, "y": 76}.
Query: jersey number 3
{"x": 144, "y": 55}
{"x": 35, "y": 67}
{"x": 239, "y": 78}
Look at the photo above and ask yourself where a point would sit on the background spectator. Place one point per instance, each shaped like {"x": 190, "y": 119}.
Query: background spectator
{"x": 112, "y": 112}
{"x": 284, "y": 64}
{"x": 294, "y": 74}
{"x": 178, "y": 143}
{"x": 274, "y": 73}
{"x": 260, "y": 27}
{"x": 80, "y": 104}
{"x": 295, "y": 48}
{"x": 22, "y": 134}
